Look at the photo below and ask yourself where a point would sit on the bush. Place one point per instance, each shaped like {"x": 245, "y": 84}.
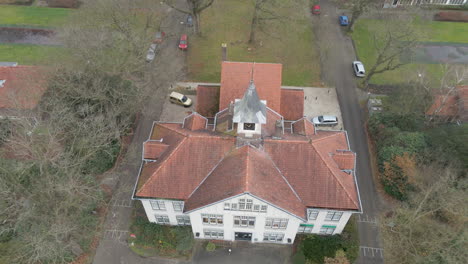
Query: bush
{"x": 63, "y": 3}
{"x": 103, "y": 159}
{"x": 453, "y": 16}
{"x": 316, "y": 247}
{"x": 16, "y": 2}
{"x": 449, "y": 143}
{"x": 210, "y": 246}
{"x": 5, "y": 130}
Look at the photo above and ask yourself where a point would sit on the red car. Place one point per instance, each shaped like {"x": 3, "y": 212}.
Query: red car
{"x": 316, "y": 10}
{"x": 183, "y": 42}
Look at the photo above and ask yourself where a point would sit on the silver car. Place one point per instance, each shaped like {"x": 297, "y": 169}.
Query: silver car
{"x": 325, "y": 120}
{"x": 151, "y": 52}
{"x": 358, "y": 68}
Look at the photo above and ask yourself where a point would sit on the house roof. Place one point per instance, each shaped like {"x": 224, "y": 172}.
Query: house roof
{"x": 207, "y": 100}
{"x": 21, "y": 87}
{"x": 292, "y": 104}
{"x": 152, "y": 150}
{"x": 195, "y": 122}
{"x": 462, "y": 92}
{"x": 250, "y": 109}
{"x": 444, "y": 105}
{"x": 236, "y": 76}
{"x": 303, "y": 127}
{"x": 196, "y": 161}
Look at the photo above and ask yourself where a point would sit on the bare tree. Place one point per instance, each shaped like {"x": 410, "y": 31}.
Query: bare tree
{"x": 195, "y": 8}
{"x": 264, "y": 10}
{"x": 357, "y": 9}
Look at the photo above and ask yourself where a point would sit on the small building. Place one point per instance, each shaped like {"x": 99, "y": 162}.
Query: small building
{"x": 247, "y": 177}
{"x": 450, "y": 106}
{"x": 374, "y": 105}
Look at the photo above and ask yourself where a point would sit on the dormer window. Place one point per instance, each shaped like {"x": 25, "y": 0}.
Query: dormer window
{"x": 249, "y": 126}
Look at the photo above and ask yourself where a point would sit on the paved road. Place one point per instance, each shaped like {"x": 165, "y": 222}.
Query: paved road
{"x": 167, "y": 68}
{"x": 336, "y": 55}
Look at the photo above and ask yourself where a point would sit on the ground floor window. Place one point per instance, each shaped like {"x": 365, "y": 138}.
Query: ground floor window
{"x": 273, "y": 237}
{"x": 213, "y": 233}
{"x": 162, "y": 219}
{"x": 305, "y": 228}
{"x": 183, "y": 220}
{"x": 327, "y": 230}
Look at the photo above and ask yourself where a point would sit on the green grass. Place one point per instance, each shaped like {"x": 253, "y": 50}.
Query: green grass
{"x": 432, "y": 31}
{"x": 33, "y": 16}
{"x": 290, "y": 42}
{"x": 28, "y": 54}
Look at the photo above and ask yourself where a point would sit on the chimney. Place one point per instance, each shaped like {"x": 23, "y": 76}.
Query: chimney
{"x": 278, "y": 129}
{"x": 223, "y": 52}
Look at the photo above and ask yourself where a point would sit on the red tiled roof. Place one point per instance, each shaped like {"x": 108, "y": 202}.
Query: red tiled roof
{"x": 463, "y": 102}
{"x": 23, "y": 86}
{"x": 247, "y": 169}
{"x": 195, "y": 122}
{"x": 207, "y": 100}
{"x": 152, "y": 150}
{"x": 345, "y": 160}
{"x": 303, "y": 127}
{"x": 444, "y": 105}
{"x": 292, "y": 104}
{"x": 308, "y": 167}
{"x": 236, "y": 76}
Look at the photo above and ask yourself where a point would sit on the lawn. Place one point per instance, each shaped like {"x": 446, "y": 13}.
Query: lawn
{"x": 290, "y": 42}
{"x": 432, "y": 31}
{"x": 28, "y": 54}
{"x": 32, "y": 16}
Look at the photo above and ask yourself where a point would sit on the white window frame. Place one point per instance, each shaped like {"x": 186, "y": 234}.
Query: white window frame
{"x": 158, "y": 205}
{"x": 306, "y": 229}
{"x": 333, "y": 216}
{"x": 326, "y": 230}
{"x": 242, "y": 204}
{"x": 212, "y": 219}
{"x": 227, "y": 206}
{"x": 312, "y": 214}
{"x": 263, "y": 208}
{"x": 244, "y": 221}
{"x": 276, "y": 223}
{"x": 183, "y": 220}
{"x": 178, "y": 206}
{"x": 213, "y": 233}
{"x": 273, "y": 237}
{"x": 162, "y": 219}
{"x": 256, "y": 208}
{"x": 233, "y": 207}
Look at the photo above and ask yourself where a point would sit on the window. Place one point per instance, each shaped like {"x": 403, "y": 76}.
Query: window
{"x": 249, "y": 205}
{"x": 183, "y": 219}
{"x": 327, "y": 229}
{"x": 162, "y": 219}
{"x": 333, "y": 216}
{"x": 244, "y": 221}
{"x": 212, "y": 219}
{"x": 313, "y": 214}
{"x": 256, "y": 207}
{"x": 264, "y": 208}
{"x": 241, "y": 204}
{"x": 234, "y": 207}
{"x": 178, "y": 206}
{"x": 212, "y": 233}
{"x": 158, "y": 205}
{"x": 249, "y": 126}
{"x": 305, "y": 228}
{"x": 273, "y": 237}
{"x": 227, "y": 206}
{"x": 276, "y": 223}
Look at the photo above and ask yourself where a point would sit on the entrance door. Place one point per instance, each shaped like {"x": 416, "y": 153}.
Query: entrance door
{"x": 243, "y": 236}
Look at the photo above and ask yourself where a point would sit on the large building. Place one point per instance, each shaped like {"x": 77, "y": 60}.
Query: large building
{"x": 249, "y": 174}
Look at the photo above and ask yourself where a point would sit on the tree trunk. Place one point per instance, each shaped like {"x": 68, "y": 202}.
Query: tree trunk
{"x": 253, "y": 26}
{"x": 196, "y": 23}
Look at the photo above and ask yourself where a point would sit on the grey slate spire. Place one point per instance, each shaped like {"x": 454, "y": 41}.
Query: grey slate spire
{"x": 250, "y": 109}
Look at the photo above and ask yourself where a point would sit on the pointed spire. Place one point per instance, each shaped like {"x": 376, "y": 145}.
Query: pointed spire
{"x": 250, "y": 109}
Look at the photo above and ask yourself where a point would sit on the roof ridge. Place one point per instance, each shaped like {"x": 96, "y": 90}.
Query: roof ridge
{"x": 170, "y": 128}
{"x": 334, "y": 176}
{"x": 329, "y": 136}
{"x": 174, "y": 150}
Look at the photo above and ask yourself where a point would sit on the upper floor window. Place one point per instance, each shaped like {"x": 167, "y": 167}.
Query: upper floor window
{"x": 312, "y": 214}
{"x": 245, "y": 205}
{"x": 158, "y": 205}
{"x": 263, "y": 209}
{"x": 178, "y": 206}
{"x": 227, "y": 206}
{"x": 241, "y": 204}
{"x": 212, "y": 219}
{"x": 244, "y": 221}
{"x": 276, "y": 223}
{"x": 162, "y": 219}
{"x": 333, "y": 216}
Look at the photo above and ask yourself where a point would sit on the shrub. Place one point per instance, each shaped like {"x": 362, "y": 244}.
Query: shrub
{"x": 5, "y": 130}
{"x": 453, "y": 16}
{"x": 16, "y": 2}
{"x": 316, "y": 247}
{"x": 103, "y": 159}
{"x": 210, "y": 246}
{"x": 63, "y": 3}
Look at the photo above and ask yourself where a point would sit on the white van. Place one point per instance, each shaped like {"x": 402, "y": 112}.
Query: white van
{"x": 180, "y": 99}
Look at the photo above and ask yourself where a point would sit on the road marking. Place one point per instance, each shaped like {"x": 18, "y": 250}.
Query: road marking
{"x": 363, "y": 218}
{"x": 122, "y": 203}
{"x": 117, "y": 235}
{"x": 371, "y": 252}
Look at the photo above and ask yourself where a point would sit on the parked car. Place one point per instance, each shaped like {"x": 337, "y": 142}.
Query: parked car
{"x": 158, "y": 37}
{"x": 189, "y": 20}
{"x": 183, "y": 42}
{"x": 325, "y": 120}
{"x": 180, "y": 99}
{"x": 151, "y": 52}
{"x": 358, "y": 68}
{"x": 344, "y": 20}
{"x": 316, "y": 10}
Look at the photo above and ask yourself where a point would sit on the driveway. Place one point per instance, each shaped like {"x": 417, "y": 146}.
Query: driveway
{"x": 336, "y": 56}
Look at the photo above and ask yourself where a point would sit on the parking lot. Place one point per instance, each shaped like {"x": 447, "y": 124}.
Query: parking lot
{"x": 177, "y": 113}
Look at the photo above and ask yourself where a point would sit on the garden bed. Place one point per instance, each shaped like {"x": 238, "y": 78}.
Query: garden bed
{"x": 20, "y": 35}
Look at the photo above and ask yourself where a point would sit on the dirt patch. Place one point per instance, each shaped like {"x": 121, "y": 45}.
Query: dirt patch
{"x": 28, "y": 36}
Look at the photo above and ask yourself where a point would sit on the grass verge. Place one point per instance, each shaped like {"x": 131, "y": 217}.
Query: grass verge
{"x": 431, "y": 31}
{"x": 32, "y": 16}
{"x": 290, "y": 43}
